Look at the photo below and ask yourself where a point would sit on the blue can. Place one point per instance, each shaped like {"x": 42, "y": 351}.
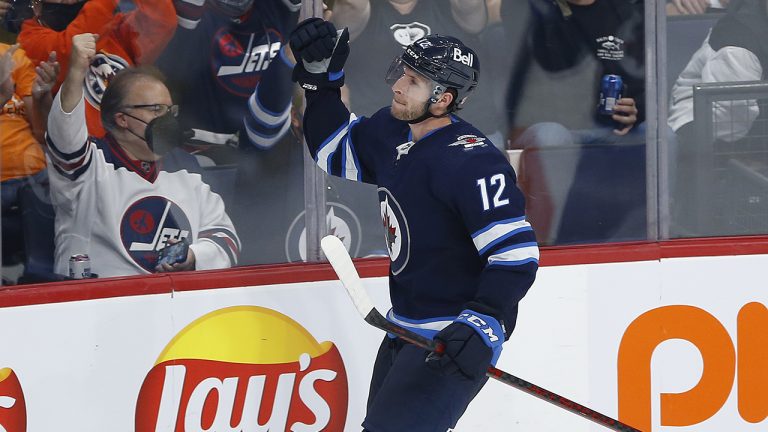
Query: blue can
{"x": 611, "y": 87}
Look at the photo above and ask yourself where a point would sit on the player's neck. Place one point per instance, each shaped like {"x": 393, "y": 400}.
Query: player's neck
{"x": 421, "y": 129}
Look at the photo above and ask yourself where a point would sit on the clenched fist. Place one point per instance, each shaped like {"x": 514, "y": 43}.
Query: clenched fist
{"x": 83, "y": 51}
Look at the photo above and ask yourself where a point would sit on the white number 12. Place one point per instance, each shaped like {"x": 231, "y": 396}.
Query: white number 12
{"x": 497, "y": 201}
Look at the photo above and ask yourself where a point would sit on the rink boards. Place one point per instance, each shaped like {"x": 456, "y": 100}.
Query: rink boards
{"x": 663, "y": 343}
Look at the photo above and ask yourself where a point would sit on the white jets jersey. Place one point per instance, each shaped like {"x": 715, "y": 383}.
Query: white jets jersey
{"x": 122, "y": 212}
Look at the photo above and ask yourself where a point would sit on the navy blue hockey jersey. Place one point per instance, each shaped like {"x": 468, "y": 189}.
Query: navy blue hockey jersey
{"x": 453, "y": 216}
{"x": 231, "y": 76}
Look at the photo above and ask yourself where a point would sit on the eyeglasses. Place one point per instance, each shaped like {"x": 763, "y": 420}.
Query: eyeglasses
{"x": 157, "y": 109}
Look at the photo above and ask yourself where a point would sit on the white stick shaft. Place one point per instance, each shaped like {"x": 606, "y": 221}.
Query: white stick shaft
{"x": 342, "y": 264}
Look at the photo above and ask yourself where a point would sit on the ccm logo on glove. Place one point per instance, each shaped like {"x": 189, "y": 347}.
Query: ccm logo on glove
{"x": 479, "y": 323}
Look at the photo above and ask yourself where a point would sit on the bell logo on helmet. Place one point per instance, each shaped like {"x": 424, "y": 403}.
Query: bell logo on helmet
{"x": 467, "y": 59}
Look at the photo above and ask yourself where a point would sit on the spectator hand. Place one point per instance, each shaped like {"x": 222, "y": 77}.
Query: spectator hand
{"x": 472, "y": 343}
{"x": 6, "y": 70}
{"x": 625, "y": 113}
{"x": 189, "y": 264}
{"x": 83, "y": 51}
{"x": 46, "y": 74}
{"x": 323, "y": 52}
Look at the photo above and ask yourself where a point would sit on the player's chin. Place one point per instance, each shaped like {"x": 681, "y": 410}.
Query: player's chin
{"x": 401, "y": 112}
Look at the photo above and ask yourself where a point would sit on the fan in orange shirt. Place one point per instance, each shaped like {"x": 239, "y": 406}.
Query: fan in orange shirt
{"x": 25, "y": 100}
{"x": 129, "y": 38}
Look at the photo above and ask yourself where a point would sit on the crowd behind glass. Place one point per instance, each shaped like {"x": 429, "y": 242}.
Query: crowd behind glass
{"x": 563, "y": 92}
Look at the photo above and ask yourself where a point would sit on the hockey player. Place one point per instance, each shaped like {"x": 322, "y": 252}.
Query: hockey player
{"x": 462, "y": 254}
{"x": 123, "y": 198}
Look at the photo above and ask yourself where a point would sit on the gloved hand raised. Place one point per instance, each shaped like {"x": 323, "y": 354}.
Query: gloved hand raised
{"x": 320, "y": 52}
{"x": 472, "y": 343}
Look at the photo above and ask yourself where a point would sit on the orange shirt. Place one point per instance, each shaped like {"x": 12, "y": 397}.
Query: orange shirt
{"x": 125, "y": 39}
{"x": 21, "y": 155}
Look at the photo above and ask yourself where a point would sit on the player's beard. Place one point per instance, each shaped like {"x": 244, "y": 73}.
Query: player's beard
{"x": 408, "y": 112}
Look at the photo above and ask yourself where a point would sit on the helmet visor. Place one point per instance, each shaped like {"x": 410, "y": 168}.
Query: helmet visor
{"x": 397, "y": 70}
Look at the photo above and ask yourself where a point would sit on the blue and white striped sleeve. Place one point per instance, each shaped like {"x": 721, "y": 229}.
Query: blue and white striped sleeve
{"x": 335, "y": 137}
{"x": 269, "y": 107}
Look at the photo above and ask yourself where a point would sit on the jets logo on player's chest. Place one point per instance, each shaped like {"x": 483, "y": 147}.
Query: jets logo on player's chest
{"x": 147, "y": 226}
{"x": 396, "y": 235}
{"x": 238, "y": 59}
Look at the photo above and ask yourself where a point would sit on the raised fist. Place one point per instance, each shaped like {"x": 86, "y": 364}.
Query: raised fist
{"x": 83, "y": 51}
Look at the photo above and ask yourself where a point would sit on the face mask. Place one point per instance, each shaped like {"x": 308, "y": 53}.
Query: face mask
{"x": 234, "y": 8}
{"x": 58, "y": 16}
{"x": 163, "y": 134}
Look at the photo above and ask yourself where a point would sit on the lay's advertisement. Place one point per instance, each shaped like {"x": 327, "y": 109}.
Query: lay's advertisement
{"x": 666, "y": 346}
{"x": 244, "y": 368}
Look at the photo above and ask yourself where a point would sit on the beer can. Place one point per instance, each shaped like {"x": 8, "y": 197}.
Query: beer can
{"x": 79, "y": 266}
{"x": 611, "y": 87}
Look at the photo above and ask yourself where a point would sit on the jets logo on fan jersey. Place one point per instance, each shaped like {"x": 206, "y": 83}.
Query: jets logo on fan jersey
{"x": 103, "y": 68}
{"x": 147, "y": 226}
{"x": 396, "y": 233}
{"x": 238, "y": 59}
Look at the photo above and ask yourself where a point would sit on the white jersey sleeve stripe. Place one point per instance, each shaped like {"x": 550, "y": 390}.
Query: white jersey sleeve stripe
{"x": 265, "y": 116}
{"x": 329, "y": 147}
{"x": 516, "y": 255}
{"x": 498, "y": 231}
{"x": 265, "y": 141}
{"x": 350, "y": 162}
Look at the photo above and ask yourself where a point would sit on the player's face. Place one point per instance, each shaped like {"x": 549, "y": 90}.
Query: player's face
{"x": 411, "y": 92}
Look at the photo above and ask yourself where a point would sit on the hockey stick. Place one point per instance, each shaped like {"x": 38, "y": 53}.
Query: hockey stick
{"x": 342, "y": 264}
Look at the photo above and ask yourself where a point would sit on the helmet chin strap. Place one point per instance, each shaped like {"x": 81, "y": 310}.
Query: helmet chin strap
{"x": 436, "y": 92}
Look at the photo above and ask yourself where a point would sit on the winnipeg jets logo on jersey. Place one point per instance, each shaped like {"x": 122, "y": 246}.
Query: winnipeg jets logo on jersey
{"x": 103, "y": 68}
{"x": 396, "y": 233}
{"x": 238, "y": 59}
{"x": 469, "y": 142}
{"x": 340, "y": 220}
{"x": 147, "y": 226}
{"x": 406, "y": 34}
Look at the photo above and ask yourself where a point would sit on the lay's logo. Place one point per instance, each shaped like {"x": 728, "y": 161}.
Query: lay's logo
{"x": 248, "y": 369}
{"x": 13, "y": 411}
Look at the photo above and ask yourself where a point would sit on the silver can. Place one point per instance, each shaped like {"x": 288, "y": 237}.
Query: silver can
{"x": 79, "y": 266}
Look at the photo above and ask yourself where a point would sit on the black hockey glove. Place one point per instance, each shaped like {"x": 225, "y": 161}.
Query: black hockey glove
{"x": 472, "y": 343}
{"x": 320, "y": 52}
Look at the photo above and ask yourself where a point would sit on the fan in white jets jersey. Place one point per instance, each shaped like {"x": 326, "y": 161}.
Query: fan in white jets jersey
{"x": 462, "y": 254}
{"x": 122, "y": 199}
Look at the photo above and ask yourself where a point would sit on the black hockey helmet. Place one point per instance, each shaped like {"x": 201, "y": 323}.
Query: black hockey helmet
{"x": 443, "y": 59}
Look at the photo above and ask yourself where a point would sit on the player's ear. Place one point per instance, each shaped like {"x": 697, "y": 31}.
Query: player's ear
{"x": 443, "y": 102}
